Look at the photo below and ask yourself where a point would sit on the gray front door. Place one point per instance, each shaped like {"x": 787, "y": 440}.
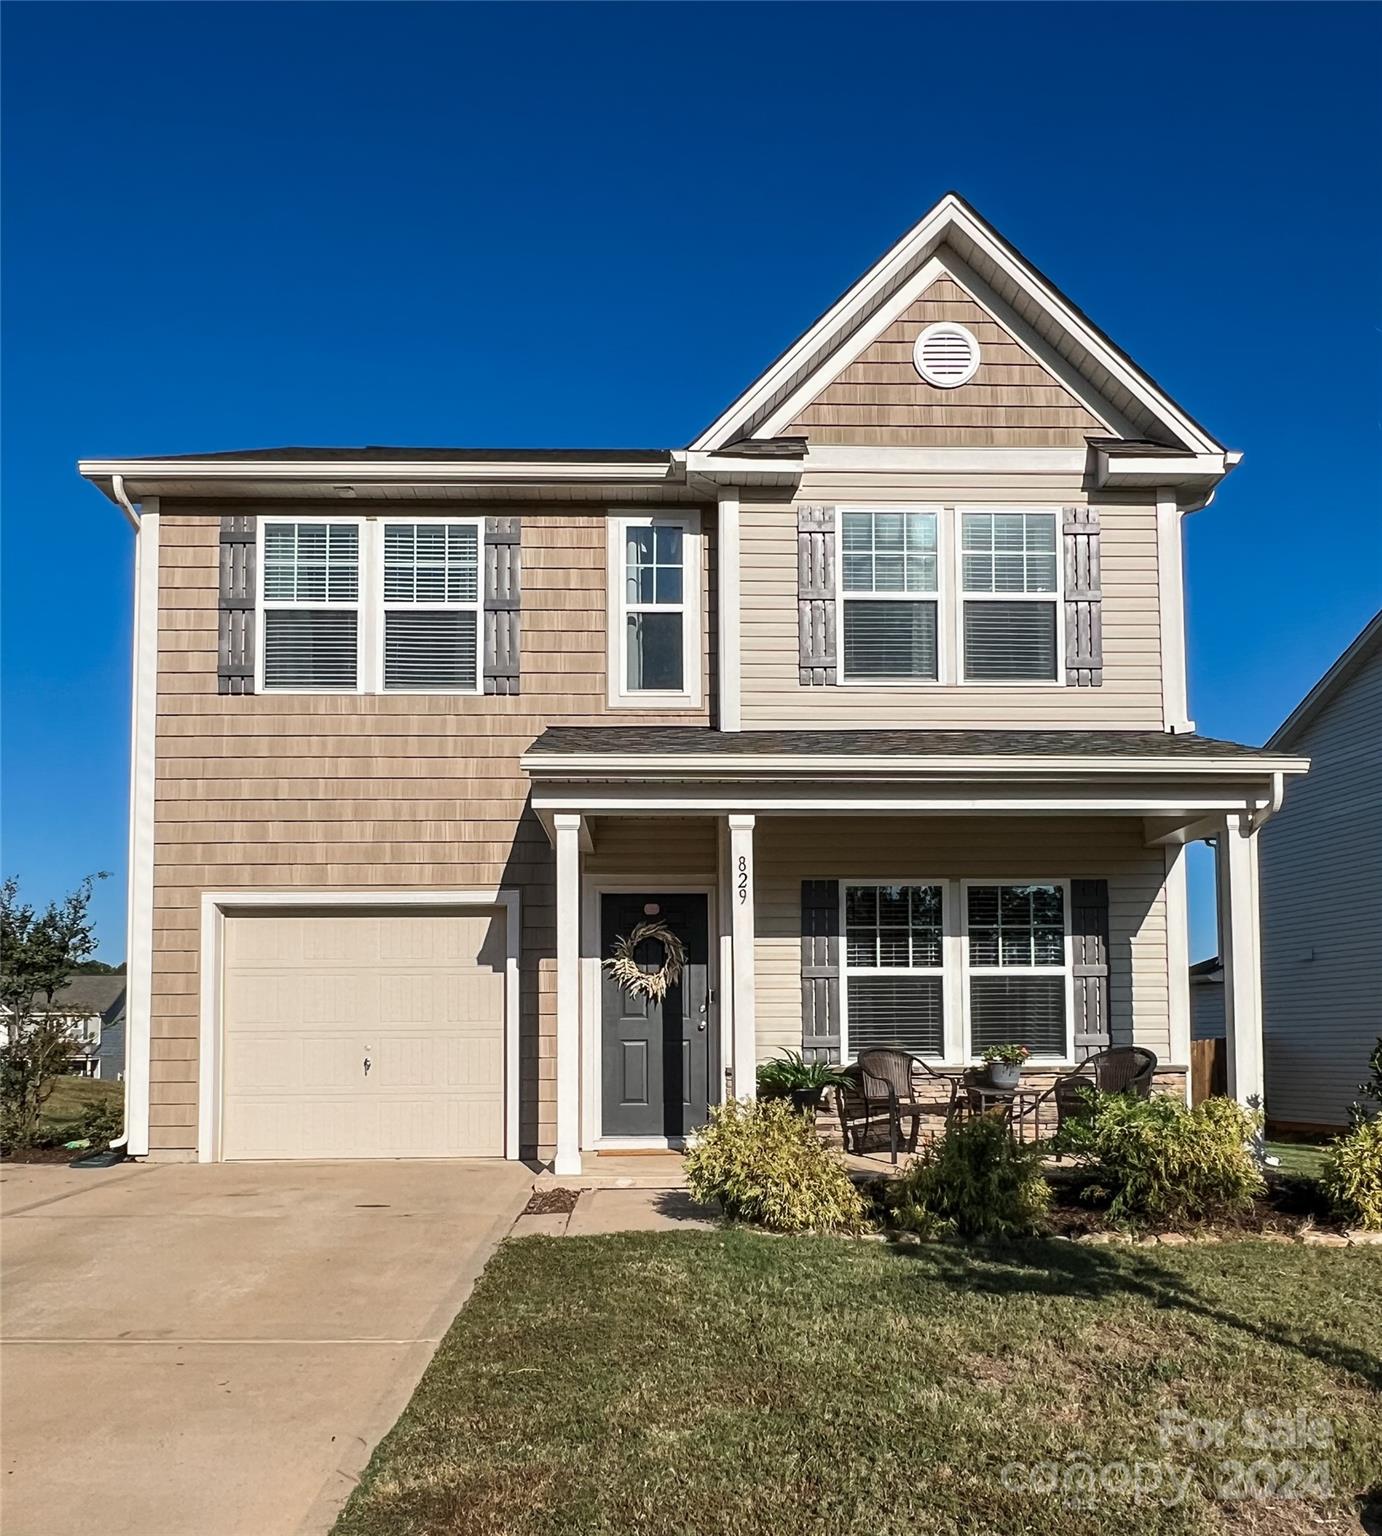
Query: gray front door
{"x": 658, "y": 1059}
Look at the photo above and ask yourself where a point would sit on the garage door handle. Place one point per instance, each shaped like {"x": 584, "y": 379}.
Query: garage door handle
{"x": 367, "y": 1066}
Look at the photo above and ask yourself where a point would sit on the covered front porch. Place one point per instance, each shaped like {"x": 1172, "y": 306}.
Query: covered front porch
{"x": 936, "y": 890}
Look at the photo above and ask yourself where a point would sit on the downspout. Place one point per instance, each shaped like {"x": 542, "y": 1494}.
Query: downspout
{"x": 1264, "y": 813}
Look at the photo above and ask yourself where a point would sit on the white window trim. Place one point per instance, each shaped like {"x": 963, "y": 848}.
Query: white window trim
{"x": 951, "y": 1020}
{"x": 1067, "y": 970}
{"x": 380, "y": 605}
{"x": 619, "y": 695}
{"x": 944, "y": 563}
{"x": 369, "y": 604}
{"x": 961, "y": 597}
{"x": 361, "y": 605}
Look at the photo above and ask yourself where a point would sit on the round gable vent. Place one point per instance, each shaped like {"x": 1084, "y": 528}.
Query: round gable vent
{"x": 946, "y": 355}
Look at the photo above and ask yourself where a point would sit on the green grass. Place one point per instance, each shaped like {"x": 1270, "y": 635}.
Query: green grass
{"x": 1302, "y": 1158}
{"x": 681, "y": 1384}
{"x": 72, "y": 1097}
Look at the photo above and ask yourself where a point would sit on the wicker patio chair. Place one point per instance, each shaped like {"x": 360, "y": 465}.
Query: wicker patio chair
{"x": 884, "y": 1085}
{"x": 1119, "y": 1069}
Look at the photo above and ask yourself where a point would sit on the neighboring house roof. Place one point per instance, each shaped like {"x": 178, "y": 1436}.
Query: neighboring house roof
{"x": 697, "y": 740}
{"x": 1207, "y": 970}
{"x": 1001, "y": 279}
{"x": 92, "y": 994}
{"x": 1329, "y": 686}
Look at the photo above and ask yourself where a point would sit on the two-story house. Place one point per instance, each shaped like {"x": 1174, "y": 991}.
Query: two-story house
{"x": 874, "y": 696}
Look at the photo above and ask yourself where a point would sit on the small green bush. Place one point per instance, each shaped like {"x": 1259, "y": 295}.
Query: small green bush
{"x": 976, "y": 1180}
{"x": 762, "y": 1163}
{"x": 1352, "y": 1177}
{"x": 101, "y": 1122}
{"x": 1155, "y": 1159}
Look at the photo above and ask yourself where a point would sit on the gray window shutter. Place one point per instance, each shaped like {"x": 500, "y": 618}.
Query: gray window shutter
{"x": 820, "y": 970}
{"x": 1084, "y": 625}
{"x": 816, "y": 594}
{"x": 235, "y": 650}
{"x": 503, "y": 601}
{"x": 1089, "y": 932}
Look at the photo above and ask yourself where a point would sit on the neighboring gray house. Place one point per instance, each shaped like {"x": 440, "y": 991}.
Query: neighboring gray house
{"x": 110, "y": 1050}
{"x": 96, "y": 1007}
{"x": 1321, "y": 895}
{"x": 1207, "y": 999}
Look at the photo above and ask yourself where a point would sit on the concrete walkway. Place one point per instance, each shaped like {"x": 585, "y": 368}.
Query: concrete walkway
{"x": 600, "y": 1211}
{"x": 214, "y": 1351}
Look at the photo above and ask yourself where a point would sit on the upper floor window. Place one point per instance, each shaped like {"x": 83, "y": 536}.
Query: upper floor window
{"x": 1011, "y": 593}
{"x": 655, "y": 612}
{"x": 431, "y": 632}
{"x": 371, "y": 605}
{"x": 890, "y": 586}
{"x": 311, "y": 605}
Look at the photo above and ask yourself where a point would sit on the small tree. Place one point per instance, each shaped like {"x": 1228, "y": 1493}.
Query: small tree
{"x": 39, "y": 952}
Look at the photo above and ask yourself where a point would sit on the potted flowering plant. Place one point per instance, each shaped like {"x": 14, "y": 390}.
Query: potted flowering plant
{"x": 1004, "y": 1064}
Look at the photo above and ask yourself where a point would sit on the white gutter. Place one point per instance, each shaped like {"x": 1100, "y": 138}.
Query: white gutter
{"x": 371, "y": 470}
{"x": 117, "y": 490}
{"x": 1264, "y": 813}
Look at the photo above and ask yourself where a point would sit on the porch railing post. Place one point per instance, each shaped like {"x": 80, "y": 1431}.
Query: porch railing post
{"x": 741, "y": 881}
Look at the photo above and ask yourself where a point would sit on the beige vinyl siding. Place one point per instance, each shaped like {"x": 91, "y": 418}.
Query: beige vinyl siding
{"x": 1012, "y": 400}
{"x": 280, "y": 791}
{"x": 789, "y": 850}
{"x": 1130, "y": 697}
{"x": 1321, "y": 898}
{"x": 645, "y": 849}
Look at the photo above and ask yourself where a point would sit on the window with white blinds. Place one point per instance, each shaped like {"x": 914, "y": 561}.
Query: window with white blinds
{"x": 894, "y": 969}
{"x": 310, "y": 596}
{"x": 1018, "y": 967}
{"x": 431, "y": 607}
{"x": 890, "y": 595}
{"x": 1010, "y": 581}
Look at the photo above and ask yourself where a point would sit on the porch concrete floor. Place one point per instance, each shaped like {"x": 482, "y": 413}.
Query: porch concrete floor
{"x": 664, "y": 1170}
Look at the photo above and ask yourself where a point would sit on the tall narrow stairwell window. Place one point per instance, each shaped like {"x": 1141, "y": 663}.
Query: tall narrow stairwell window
{"x": 1011, "y": 585}
{"x": 890, "y": 585}
{"x": 431, "y": 630}
{"x": 655, "y": 612}
{"x": 310, "y": 591}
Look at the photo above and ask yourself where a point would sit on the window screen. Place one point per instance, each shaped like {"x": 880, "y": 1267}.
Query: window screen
{"x": 654, "y": 608}
{"x": 890, "y": 580}
{"x": 311, "y": 596}
{"x": 431, "y": 606}
{"x": 894, "y": 968}
{"x": 1010, "y": 581}
{"x": 1017, "y": 967}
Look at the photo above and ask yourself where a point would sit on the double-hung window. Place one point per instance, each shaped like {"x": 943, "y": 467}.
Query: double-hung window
{"x": 1018, "y": 967}
{"x": 655, "y": 656}
{"x": 431, "y": 607}
{"x": 311, "y": 635}
{"x": 890, "y": 595}
{"x": 1010, "y": 587}
{"x": 894, "y": 970}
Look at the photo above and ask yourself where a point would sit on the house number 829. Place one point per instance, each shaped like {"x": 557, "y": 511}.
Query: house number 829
{"x": 743, "y": 884}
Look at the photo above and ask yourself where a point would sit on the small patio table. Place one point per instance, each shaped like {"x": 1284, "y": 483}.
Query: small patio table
{"x": 1019, "y": 1102}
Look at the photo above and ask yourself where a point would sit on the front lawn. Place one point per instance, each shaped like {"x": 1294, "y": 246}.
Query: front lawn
{"x": 679, "y": 1384}
{"x": 71, "y": 1098}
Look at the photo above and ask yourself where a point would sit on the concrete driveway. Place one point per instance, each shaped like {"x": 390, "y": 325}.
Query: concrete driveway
{"x": 215, "y": 1350}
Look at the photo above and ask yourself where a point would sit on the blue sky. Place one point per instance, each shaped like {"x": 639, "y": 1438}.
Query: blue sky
{"x": 243, "y": 225}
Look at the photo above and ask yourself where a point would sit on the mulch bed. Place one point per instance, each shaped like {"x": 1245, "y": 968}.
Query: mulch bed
{"x": 551, "y": 1202}
{"x": 42, "y": 1155}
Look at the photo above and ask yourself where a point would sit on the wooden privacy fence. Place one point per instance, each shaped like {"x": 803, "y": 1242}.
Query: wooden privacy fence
{"x": 1208, "y": 1069}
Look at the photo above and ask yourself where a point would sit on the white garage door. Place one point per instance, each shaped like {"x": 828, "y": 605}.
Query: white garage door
{"x": 363, "y": 1035}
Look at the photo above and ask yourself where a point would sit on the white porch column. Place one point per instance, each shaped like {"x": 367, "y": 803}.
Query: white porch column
{"x": 745, "y": 1059}
{"x": 1240, "y": 942}
{"x": 568, "y": 832}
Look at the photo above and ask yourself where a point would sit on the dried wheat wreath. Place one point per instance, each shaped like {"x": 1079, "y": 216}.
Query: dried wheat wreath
{"x": 653, "y": 985}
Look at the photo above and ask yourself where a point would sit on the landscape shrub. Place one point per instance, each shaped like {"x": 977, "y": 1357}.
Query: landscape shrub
{"x": 1352, "y": 1177}
{"x": 1157, "y": 1160}
{"x": 101, "y": 1122}
{"x": 761, "y": 1162}
{"x": 975, "y": 1180}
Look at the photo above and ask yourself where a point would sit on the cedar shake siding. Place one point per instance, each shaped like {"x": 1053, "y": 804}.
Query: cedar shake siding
{"x": 368, "y": 792}
{"x": 1130, "y": 693}
{"x": 1012, "y": 400}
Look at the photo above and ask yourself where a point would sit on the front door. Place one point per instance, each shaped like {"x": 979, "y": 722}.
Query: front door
{"x": 657, "y": 1058}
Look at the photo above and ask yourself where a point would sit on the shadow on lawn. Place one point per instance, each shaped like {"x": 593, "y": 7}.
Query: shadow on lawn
{"x": 1074, "y": 1269}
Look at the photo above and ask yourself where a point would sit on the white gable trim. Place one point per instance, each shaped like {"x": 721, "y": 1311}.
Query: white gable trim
{"x": 944, "y": 263}
{"x": 877, "y": 287}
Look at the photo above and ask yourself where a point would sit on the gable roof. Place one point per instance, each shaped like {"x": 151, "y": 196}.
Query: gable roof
{"x": 953, "y": 237}
{"x": 1331, "y": 684}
